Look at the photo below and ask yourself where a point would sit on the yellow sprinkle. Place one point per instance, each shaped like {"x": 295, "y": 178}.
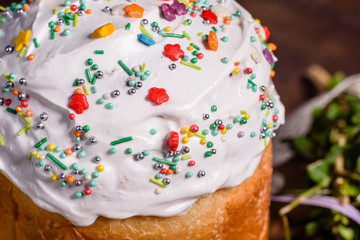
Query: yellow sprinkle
{"x": 184, "y": 139}
{"x": 55, "y": 11}
{"x": 51, "y": 147}
{"x": 68, "y": 10}
{"x": 100, "y": 168}
{"x": 167, "y": 29}
{"x": 203, "y": 141}
{"x": 257, "y": 21}
{"x": 224, "y": 131}
{"x": 2, "y": 142}
{"x": 190, "y": 134}
{"x": 54, "y": 178}
{"x": 144, "y": 31}
{"x": 247, "y": 116}
{"x": 185, "y": 130}
{"x": 38, "y": 155}
{"x": 86, "y": 89}
{"x": 190, "y": 48}
{"x": 270, "y": 125}
{"x": 104, "y": 31}
{"x": 236, "y": 71}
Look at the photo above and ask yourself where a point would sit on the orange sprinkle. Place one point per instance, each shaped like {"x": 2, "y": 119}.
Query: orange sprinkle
{"x": 26, "y": 7}
{"x": 272, "y": 46}
{"x": 31, "y": 57}
{"x": 19, "y": 109}
{"x": 213, "y": 41}
{"x": 70, "y": 179}
{"x": 134, "y": 10}
{"x": 88, "y": 11}
{"x": 68, "y": 151}
{"x": 57, "y": 29}
{"x": 78, "y": 91}
{"x": 272, "y": 73}
{"x": 16, "y": 92}
{"x": 169, "y": 171}
{"x": 77, "y": 134}
{"x": 29, "y": 113}
{"x": 237, "y": 63}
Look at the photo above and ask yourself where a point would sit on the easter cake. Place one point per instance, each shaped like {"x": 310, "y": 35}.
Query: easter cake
{"x": 135, "y": 120}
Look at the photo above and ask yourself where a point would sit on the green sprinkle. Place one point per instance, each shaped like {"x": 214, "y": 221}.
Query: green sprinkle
{"x": 174, "y": 35}
{"x": 57, "y": 161}
{"x": 67, "y": 32}
{"x": 176, "y": 159}
{"x": 122, "y": 140}
{"x": 195, "y": 46}
{"x": 188, "y": 174}
{"x": 86, "y": 128}
{"x": 109, "y": 106}
{"x": 229, "y": 126}
{"x": 82, "y": 154}
{"x": 26, "y": 119}
{"x": 36, "y": 43}
{"x": 186, "y": 157}
{"x": 193, "y": 60}
{"x": 213, "y": 108}
{"x": 200, "y": 34}
{"x": 242, "y": 111}
{"x": 95, "y": 174}
{"x": 21, "y": 132}
{"x": 243, "y": 120}
{"x": 263, "y": 107}
{"x": 144, "y": 31}
{"x": 215, "y": 132}
{"x": 146, "y": 152}
{"x": 267, "y": 113}
{"x": 112, "y": 150}
{"x": 75, "y": 166}
{"x": 92, "y": 183}
{"x": 58, "y": 149}
{"x": 11, "y": 110}
{"x": 252, "y": 134}
{"x": 186, "y": 58}
{"x": 75, "y": 82}
{"x": 225, "y": 60}
{"x": 41, "y": 163}
{"x": 187, "y": 35}
{"x": 170, "y": 163}
{"x": 99, "y": 51}
{"x": 100, "y": 101}
{"x": 67, "y": 22}
{"x": 210, "y": 144}
{"x": 190, "y": 65}
{"x": 88, "y": 75}
{"x": 22, "y": 52}
{"x": 31, "y": 156}
{"x": 159, "y": 176}
{"x": 208, "y": 154}
{"x": 126, "y": 69}
{"x": 94, "y": 89}
{"x": 93, "y": 81}
{"x": 153, "y": 131}
{"x": 76, "y": 20}
{"x": 214, "y": 28}
{"x": 205, "y": 132}
{"x": 143, "y": 67}
{"x": 90, "y": 61}
{"x": 128, "y": 26}
{"x": 78, "y": 195}
{"x": 158, "y": 182}
{"x": 252, "y": 39}
{"x": 128, "y": 151}
{"x": 199, "y": 135}
{"x": 63, "y": 183}
{"x": 225, "y": 39}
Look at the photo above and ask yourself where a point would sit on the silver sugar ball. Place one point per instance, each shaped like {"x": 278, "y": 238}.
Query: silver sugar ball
{"x": 206, "y": 116}
{"x": 169, "y": 154}
{"x": 40, "y": 125}
{"x": 21, "y": 96}
{"x": 47, "y": 168}
{"x": 99, "y": 74}
{"x": 203, "y": 8}
{"x": 172, "y": 66}
{"x": 273, "y": 135}
{"x": 132, "y": 91}
{"x": 202, "y": 173}
{"x": 107, "y": 9}
{"x": 44, "y": 116}
{"x": 156, "y": 28}
{"x": 218, "y": 122}
{"x": 78, "y": 183}
{"x": 240, "y": 134}
{"x": 140, "y": 156}
{"x": 23, "y": 81}
{"x": 10, "y": 84}
{"x": 177, "y": 153}
{"x": 271, "y": 105}
{"x": 76, "y": 171}
{"x": 267, "y": 104}
{"x": 81, "y": 12}
{"x": 138, "y": 85}
{"x": 2, "y": 100}
{"x": 19, "y": 11}
{"x": 93, "y": 140}
{"x": 158, "y": 166}
{"x": 115, "y": 93}
{"x": 263, "y": 129}
{"x": 207, "y": 22}
{"x": 77, "y": 147}
{"x": 166, "y": 181}
{"x": 262, "y": 135}
{"x": 144, "y": 22}
{"x": 213, "y": 151}
{"x": 60, "y": 21}
{"x": 81, "y": 82}
{"x": 262, "y": 88}
{"x": 9, "y": 49}
{"x": 97, "y": 159}
{"x": 62, "y": 175}
{"x": 185, "y": 149}
{"x": 79, "y": 128}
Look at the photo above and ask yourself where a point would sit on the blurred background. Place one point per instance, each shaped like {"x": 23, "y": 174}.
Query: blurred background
{"x": 306, "y": 32}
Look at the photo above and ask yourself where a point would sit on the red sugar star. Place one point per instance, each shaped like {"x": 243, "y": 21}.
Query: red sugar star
{"x": 173, "y": 52}
{"x": 158, "y": 95}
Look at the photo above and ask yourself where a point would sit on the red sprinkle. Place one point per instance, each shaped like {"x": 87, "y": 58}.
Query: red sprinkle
{"x": 248, "y": 70}
{"x": 158, "y": 95}
{"x": 191, "y": 163}
{"x": 192, "y": 14}
{"x": 7, "y": 102}
{"x": 79, "y": 103}
{"x": 73, "y": 7}
{"x": 173, "y": 52}
{"x": 87, "y": 191}
{"x": 72, "y": 116}
{"x": 194, "y": 128}
{"x": 200, "y": 56}
{"x": 24, "y": 103}
{"x": 163, "y": 170}
{"x": 173, "y": 141}
{"x": 275, "y": 118}
{"x": 261, "y": 97}
{"x": 221, "y": 127}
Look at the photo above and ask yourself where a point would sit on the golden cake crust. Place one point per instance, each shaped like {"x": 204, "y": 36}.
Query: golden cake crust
{"x": 240, "y": 212}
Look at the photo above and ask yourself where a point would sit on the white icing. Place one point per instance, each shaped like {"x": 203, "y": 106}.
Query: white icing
{"x": 124, "y": 189}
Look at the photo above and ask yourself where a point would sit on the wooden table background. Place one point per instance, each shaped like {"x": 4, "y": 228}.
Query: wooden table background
{"x": 326, "y": 32}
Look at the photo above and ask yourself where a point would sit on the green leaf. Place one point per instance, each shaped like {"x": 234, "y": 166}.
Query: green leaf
{"x": 311, "y": 229}
{"x": 356, "y": 118}
{"x": 302, "y": 145}
{"x": 318, "y": 170}
{"x": 346, "y": 232}
{"x": 337, "y": 78}
{"x": 358, "y": 165}
{"x": 333, "y": 111}
{"x": 349, "y": 189}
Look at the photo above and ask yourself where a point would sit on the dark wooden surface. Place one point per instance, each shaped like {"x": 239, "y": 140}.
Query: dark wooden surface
{"x": 326, "y": 32}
